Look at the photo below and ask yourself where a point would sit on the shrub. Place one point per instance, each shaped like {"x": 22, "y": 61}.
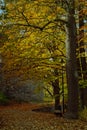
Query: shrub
{"x": 83, "y": 114}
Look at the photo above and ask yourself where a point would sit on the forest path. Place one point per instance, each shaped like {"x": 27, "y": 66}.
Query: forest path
{"x": 21, "y": 117}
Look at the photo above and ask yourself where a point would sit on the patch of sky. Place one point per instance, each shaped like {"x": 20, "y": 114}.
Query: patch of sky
{"x": 2, "y": 3}
{"x": 2, "y": 8}
{"x": 1, "y": 12}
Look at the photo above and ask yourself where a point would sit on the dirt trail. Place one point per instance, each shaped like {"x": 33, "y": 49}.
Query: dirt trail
{"x": 21, "y": 117}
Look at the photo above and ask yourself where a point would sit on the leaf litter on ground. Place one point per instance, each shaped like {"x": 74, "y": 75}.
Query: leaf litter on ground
{"x": 23, "y": 117}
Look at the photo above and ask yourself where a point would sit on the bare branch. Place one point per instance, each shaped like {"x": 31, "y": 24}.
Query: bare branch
{"x": 36, "y": 26}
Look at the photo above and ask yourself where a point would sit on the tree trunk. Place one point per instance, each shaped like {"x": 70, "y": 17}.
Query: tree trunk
{"x": 83, "y": 97}
{"x": 55, "y": 83}
{"x": 81, "y": 41}
{"x": 83, "y": 64}
{"x": 56, "y": 91}
{"x": 71, "y": 63}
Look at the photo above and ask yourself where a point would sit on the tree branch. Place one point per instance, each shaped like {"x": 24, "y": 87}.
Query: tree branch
{"x": 35, "y": 26}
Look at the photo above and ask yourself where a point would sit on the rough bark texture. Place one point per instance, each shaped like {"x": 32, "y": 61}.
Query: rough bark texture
{"x": 71, "y": 65}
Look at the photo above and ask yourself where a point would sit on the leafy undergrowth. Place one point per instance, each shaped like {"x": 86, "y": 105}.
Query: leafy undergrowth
{"x": 21, "y": 117}
{"x": 83, "y": 114}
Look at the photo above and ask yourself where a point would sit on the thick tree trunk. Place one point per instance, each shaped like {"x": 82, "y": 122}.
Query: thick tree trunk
{"x": 71, "y": 64}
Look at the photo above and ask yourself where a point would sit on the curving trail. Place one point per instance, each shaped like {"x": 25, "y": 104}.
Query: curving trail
{"x": 21, "y": 117}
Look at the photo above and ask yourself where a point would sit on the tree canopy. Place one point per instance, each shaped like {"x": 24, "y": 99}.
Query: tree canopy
{"x": 33, "y": 42}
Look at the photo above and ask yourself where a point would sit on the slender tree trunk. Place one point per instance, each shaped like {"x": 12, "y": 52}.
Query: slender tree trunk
{"x": 71, "y": 63}
{"x": 83, "y": 64}
{"x": 55, "y": 83}
{"x": 56, "y": 91}
{"x": 81, "y": 41}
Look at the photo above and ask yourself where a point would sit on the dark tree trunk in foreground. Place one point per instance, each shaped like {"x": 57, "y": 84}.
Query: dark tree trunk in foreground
{"x": 71, "y": 63}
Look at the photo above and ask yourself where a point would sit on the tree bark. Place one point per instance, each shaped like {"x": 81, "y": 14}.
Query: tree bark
{"x": 71, "y": 63}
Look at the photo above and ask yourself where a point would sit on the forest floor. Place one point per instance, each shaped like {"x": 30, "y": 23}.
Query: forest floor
{"x": 23, "y": 117}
